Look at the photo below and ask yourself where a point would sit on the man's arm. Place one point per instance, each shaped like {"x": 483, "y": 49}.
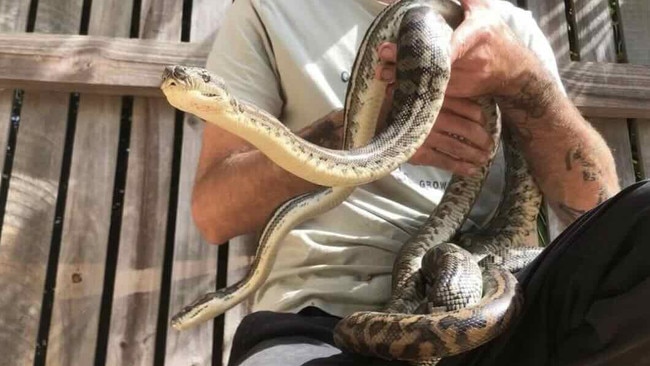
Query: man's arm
{"x": 570, "y": 161}
{"x": 568, "y": 158}
{"x": 237, "y": 188}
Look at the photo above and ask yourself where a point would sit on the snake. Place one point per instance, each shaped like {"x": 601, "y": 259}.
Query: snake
{"x": 403, "y": 330}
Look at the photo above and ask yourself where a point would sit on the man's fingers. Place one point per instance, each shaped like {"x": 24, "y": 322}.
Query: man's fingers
{"x": 387, "y": 52}
{"x": 385, "y": 70}
{"x": 433, "y": 157}
{"x": 465, "y": 108}
{"x": 472, "y": 132}
{"x": 456, "y": 148}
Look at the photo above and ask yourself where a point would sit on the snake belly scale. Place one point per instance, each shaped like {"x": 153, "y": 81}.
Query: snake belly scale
{"x": 423, "y": 39}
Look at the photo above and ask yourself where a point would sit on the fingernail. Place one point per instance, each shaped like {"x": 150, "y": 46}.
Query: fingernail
{"x": 386, "y": 75}
{"x": 386, "y": 52}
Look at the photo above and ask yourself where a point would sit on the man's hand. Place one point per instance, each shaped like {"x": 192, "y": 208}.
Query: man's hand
{"x": 487, "y": 58}
{"x": 458, "y": 141}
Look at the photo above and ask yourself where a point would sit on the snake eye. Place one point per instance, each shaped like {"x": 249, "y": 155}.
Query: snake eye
{"x": 206, "y": 77}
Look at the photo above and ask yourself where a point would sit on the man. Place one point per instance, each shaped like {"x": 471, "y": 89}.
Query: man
{"x": 293, "y": 58}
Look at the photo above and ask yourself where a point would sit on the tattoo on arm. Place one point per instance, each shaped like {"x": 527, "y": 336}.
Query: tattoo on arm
{"x": 576, "y": 157}
{"x": 534, "y": 98}
{"x": 325, "y": 132}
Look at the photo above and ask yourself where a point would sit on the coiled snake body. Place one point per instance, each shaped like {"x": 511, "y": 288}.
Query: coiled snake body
{"x": 461, "y": 314}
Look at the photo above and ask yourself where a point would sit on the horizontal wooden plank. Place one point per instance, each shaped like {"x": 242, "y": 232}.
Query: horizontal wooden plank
{"x": 119, "y": 66}
{"x": 610, "y": 90}
{"x": 133, "y": 67}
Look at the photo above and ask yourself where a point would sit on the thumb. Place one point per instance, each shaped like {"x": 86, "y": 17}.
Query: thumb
{"x": 464, "y": 38}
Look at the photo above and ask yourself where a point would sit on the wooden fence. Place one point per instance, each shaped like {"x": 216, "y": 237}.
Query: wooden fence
{"x": 97, "y": 246}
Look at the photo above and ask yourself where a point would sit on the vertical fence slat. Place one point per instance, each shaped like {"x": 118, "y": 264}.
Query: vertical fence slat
{"x": 31, "y": 200}
{"x": 636, "y": 30}
{"x": 195, "y": 262}
{"x": 27, "y": 226}
{"x": 87, "y": 220}
{"x": 110, "y": 18}
{"x": 634, "y": 16}
{"x": 80, "y": 277}
{"x": 162, "y": 20}
{"x": 137, "y": 284}
{"x": 13, "y": 15}
{"x": 13, "y": 18}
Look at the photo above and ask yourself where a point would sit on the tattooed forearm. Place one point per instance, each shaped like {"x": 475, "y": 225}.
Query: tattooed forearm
{"x": 534, "y": 97}
{"x": 326, "y": 132}
{"x": 576, "y": 157}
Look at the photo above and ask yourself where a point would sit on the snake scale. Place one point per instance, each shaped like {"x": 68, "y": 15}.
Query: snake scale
{"x": 467, "y": 304}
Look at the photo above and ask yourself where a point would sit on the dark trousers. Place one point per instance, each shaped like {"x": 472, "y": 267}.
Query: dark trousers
{"x": 586, "y": 301}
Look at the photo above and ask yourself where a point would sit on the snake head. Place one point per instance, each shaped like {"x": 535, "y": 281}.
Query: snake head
{"x": 189, "y": 87}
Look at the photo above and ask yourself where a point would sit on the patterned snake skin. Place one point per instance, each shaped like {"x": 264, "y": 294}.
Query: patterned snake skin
{"x": 462, "y": 309}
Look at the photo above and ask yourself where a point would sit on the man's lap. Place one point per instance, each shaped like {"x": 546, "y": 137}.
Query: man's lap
{"x": 582, "y": 301}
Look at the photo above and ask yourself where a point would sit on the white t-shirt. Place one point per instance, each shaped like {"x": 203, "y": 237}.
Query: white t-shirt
{"x": 293, "y": 58}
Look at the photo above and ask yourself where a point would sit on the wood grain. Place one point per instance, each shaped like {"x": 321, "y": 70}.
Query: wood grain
{"x": 598, "y": 89}
{"x": 594, "y": 31}
{"x": 162, "y": 21}
{"x": 607, "y": 89}
{"x": 634, "y": 16}
{"x": 193, "y": 346}
{"x": 118, "y": 66}
{"x": 27, "y": 225}
{"x": 58, "y": 16}
{"x": 13, "y": 15}
{"x": 636, "y": 30}
{"x": 89, "y": 206}
{"x": 110, "y": 18}
{"x": 142, "y": 239}
{"x": 85, "y": 232}
{"x": 34, "y": 181}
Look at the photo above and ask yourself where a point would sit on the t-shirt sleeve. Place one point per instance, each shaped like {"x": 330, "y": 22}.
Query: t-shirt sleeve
{"x": 525, "y": 27}
{"x": 242, "y": 55}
